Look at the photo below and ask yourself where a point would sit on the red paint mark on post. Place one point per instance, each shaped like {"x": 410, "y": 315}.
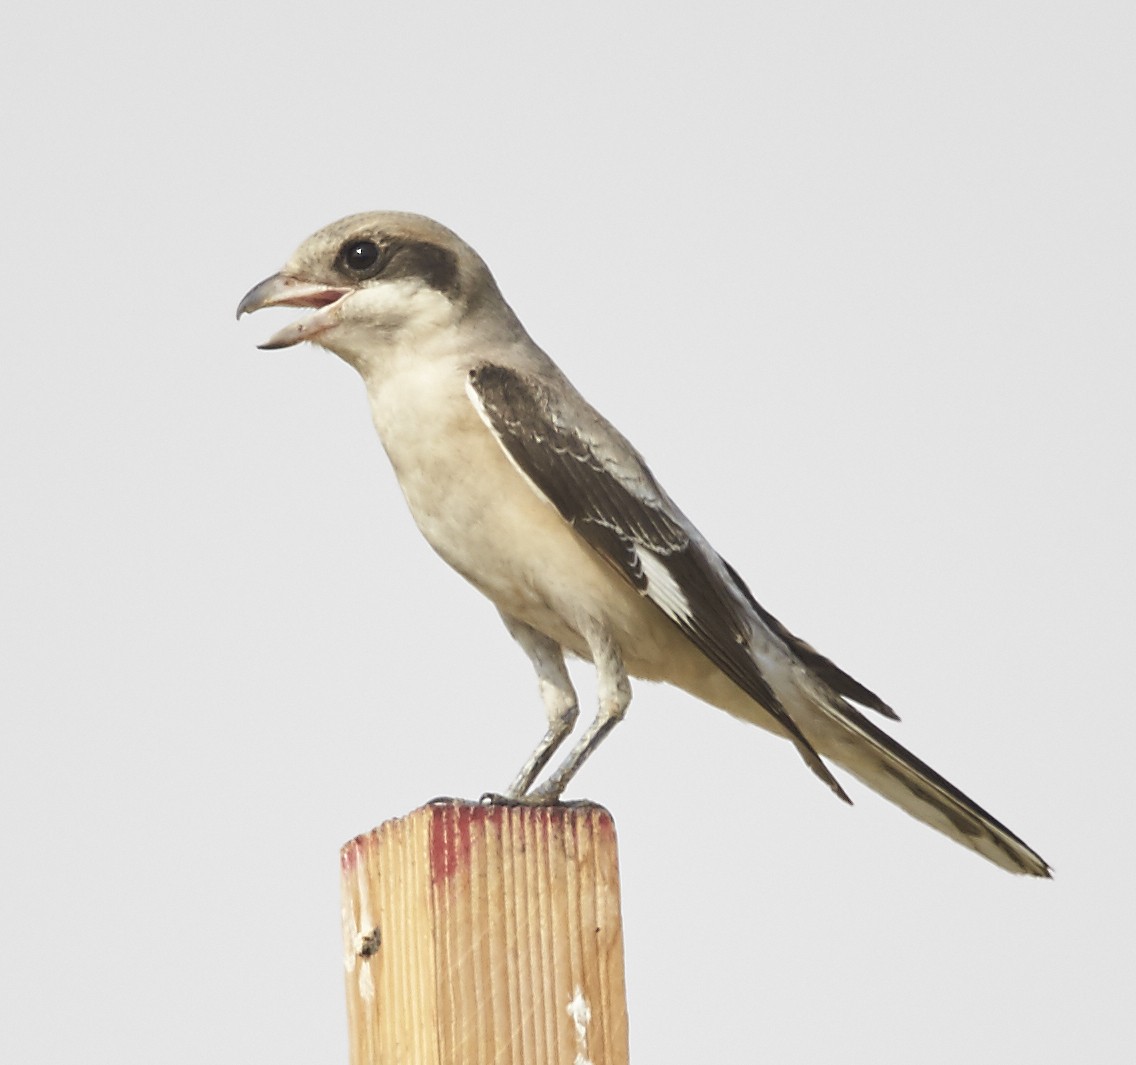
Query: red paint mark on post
{"x": 450, "y": 839}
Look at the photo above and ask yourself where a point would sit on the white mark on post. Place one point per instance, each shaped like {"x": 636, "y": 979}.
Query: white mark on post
{"x": 366, "y": 984}
{"x": 581, "y": 1014}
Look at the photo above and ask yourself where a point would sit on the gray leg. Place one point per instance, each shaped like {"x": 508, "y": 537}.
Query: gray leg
{"x": 614, "y": 698}
{"x": 560, "y": 702}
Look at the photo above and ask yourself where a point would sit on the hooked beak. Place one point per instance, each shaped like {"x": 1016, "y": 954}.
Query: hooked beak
{"x": 284, "y": 290}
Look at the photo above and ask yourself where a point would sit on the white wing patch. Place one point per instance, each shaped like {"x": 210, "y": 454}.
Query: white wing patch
{"x": 662, "y": 589}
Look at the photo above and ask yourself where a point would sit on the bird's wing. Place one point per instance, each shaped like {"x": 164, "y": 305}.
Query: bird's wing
{"x": 603, "y": 489}
{"x": 820, "y": 666}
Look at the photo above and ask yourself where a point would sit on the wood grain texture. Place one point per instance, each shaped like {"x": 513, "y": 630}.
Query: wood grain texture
{"x": 485, "y": 933}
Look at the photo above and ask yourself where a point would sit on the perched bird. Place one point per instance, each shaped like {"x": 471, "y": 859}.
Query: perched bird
{"x": 538, "y": 501}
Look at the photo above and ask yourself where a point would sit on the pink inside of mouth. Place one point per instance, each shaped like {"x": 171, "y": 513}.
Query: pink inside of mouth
{"x": 316, "y": 299}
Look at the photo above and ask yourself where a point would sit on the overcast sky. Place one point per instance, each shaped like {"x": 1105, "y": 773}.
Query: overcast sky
{"x": 858, "y": 280}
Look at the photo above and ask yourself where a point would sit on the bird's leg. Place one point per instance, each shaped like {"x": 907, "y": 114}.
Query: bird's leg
{"x": 560, "y": 702}
{"x": 614, "y": 698}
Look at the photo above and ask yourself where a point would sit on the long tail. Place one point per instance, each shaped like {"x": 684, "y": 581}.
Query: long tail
{"x": 817, "y": 697}
{"x": 872, "y": 756}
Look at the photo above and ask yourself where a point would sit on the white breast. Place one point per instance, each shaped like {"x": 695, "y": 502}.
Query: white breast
{"x": 485, "y": 519}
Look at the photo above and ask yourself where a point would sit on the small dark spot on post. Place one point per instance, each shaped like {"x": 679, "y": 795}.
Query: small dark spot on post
{"x": 370, "y": 943}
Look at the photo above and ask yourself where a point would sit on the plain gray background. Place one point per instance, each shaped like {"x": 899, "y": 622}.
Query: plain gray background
{"x": 857, "y": 279}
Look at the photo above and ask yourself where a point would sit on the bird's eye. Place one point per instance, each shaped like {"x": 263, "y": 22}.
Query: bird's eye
{"x": 359, "y": 256}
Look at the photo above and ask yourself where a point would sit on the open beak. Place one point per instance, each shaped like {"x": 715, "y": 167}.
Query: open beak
{"x": 283, "y": 290}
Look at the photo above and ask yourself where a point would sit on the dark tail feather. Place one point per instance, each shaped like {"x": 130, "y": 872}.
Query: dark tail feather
{"x": 869, "y": 754}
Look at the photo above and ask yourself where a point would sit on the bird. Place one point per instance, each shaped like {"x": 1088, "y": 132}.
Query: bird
{"x": 538, "y": 501}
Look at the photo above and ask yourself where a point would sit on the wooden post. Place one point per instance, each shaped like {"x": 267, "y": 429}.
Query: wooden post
{"x": 485, "y": 933}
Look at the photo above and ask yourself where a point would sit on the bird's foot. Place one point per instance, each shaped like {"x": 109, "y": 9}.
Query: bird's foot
{"x": 539, "y": 797}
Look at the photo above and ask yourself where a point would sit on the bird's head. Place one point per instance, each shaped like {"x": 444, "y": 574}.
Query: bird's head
{"x": 373, "y": 279}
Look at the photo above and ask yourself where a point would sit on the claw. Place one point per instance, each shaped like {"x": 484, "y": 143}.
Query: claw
{"x": 533, "y": 798}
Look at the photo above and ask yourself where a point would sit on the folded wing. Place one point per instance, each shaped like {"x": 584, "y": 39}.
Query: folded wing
{"x": 604, "y": 490}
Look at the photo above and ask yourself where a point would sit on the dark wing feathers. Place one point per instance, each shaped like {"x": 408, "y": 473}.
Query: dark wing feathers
{"x": 828, "y": 671}
{"x": 566, "y": 470}
{"x": 621, "y": 514}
